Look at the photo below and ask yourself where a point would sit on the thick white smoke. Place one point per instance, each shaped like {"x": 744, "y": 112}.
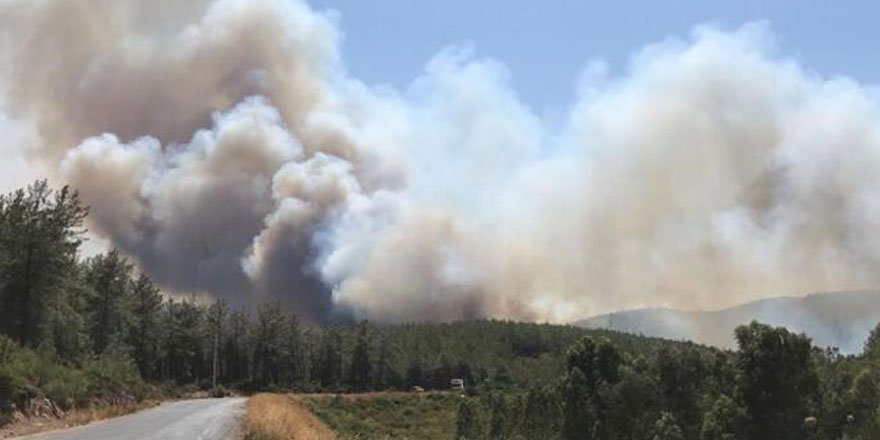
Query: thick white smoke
{"x": 223, "y": 146}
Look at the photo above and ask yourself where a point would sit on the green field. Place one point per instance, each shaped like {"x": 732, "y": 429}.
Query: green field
{"x": 388, "y": 415}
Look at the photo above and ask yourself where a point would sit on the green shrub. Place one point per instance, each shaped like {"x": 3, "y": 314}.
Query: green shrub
{"x": 114, "y": 372}
{"x": 68, "y": 387}
{"x": 409, "y": 416}
{"x": 22, "y": 392}
{"x": 219, "y": 391}
{"x": 21, "y": 364}
{"x": 6, "y": 387}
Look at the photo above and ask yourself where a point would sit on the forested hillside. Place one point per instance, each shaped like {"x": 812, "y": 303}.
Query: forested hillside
{"x": 775, "y": 386}
{"x": 76, "y": 329}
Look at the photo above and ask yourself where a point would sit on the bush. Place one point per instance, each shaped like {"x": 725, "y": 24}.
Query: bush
{"x": 23, "y": 392}
{"x": 68, "y": 387}
{"x": 6, "y": 389}
{"x": 114, "y": 372}
{"x": 26, "y": 374}
{"x": 21, "y": 364}
{"x": 6, "y": 386}
{"x": 219, "y": 391}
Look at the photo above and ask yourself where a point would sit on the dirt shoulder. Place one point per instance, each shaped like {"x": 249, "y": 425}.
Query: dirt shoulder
{"x": 53, "y": 418}
{"x": 43, "y": 415}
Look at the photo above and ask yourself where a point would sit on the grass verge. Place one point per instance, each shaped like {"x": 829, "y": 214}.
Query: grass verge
{"x": 282, "y": 417}
{"x": 387, "y": 415}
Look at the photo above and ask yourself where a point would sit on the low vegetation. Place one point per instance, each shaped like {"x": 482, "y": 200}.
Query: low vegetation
{"x": 388, "y": 415}
{"x": 110, "y": 378}
{"x": 282, "y": 417}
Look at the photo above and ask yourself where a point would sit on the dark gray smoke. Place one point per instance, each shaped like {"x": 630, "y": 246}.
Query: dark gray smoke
{"x": 222, "y": 145}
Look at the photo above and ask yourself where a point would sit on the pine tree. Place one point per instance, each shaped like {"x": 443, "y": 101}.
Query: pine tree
{"x": 578, "y": 408}
{"x": 385, "y": 374}
{"x": 269, "y": 327}
{"x": 235, "y": 348}
{"x": 360, "y": 360}
{"x": 864, "y": 397}
{"x": 109, "y": 307}
{"x": 183, "y": 341}
{"x": 40, "y": 233}
{"x": 469, "y": 424}
{"x": 666, "y": 428}
{"x": 329, "y": 364}
{"x": 723, "y": 421}
{"x": 591, "y": 365}
{"x": 543, "y": 414}
{"x": 216, "y": 317}
{"x": 292, "y": 353}
{"x": 777, "y": 382}
{"x": 144, "y": 337}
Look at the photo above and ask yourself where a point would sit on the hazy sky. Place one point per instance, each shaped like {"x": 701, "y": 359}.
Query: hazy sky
{"x": 545, "y": 44}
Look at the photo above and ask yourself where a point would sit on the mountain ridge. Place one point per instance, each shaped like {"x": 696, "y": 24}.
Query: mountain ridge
{"x": 838, "y": 319}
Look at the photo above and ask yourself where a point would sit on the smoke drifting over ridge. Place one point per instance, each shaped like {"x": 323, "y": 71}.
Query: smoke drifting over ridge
{"x": 224, "y": 147}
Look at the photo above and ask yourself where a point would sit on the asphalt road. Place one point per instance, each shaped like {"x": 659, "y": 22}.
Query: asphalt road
{"x": 202, "y": 419}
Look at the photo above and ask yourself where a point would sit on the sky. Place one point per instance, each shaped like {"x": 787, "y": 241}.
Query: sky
{"x": 546, "y": 44}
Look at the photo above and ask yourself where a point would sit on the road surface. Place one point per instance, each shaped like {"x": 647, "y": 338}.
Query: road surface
{"x": 203, "y": 419}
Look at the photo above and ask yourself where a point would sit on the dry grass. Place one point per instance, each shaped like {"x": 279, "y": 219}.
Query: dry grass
{"x": 93, "y": 414}
{"x": 282, "y": 417}
{"x": 351, "y": 397}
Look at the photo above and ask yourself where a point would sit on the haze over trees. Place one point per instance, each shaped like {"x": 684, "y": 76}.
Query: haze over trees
{"x": 77, "y": 329}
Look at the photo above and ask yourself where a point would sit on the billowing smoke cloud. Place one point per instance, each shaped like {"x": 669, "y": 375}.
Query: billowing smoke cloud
{"x": 224, "y": 147}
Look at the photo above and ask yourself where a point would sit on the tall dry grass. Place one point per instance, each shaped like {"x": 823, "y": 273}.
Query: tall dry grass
{"x": 282, "y": 417}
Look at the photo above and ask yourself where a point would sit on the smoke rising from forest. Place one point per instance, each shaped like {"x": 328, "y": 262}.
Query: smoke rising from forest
{"x": 224, "y": 147}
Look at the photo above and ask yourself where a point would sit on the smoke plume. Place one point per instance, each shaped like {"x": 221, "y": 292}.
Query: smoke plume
{"x": 225, "y": 148}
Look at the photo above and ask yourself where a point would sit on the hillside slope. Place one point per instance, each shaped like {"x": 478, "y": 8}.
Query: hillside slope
{"x": 839, "y": 319}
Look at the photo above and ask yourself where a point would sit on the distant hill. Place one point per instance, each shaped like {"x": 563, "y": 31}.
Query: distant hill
{"x": 839, "y": 319}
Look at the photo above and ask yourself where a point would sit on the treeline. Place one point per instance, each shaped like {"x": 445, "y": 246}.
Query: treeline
{"x": 776, "y": 386}
{"x": 75, "y": 329}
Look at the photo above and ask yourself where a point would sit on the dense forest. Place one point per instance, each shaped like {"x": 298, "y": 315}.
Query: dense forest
{"x": 77, "y": 329}
{"x": 775, "y": 386}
